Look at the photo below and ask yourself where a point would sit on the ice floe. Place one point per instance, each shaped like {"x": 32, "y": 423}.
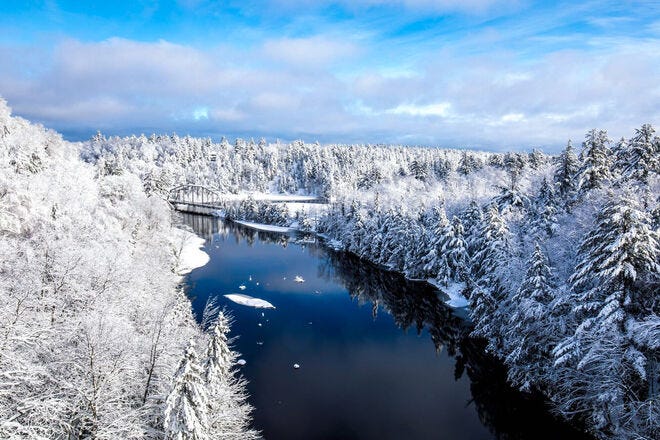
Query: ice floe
{"x": 249, "y": 301}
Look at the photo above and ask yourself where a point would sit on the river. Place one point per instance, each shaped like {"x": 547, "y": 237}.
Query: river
{"x": 380, "y": 357}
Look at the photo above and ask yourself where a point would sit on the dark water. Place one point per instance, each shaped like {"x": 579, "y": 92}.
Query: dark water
{"x": 380, "y": 357}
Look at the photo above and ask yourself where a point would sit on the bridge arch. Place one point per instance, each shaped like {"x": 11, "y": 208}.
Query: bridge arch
{"x": 194, "y": 195}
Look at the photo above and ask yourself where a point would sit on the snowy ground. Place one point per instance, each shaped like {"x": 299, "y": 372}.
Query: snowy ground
{"x": 311, "y": 209}
{"x": 264, "y": 227}
{"x": 456, "y": 298}
{"x": 270, "y": 196}
{"x": 191, "y": 255}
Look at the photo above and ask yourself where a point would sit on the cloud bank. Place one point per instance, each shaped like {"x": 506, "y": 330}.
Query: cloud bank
{"x": 342, "y": 87}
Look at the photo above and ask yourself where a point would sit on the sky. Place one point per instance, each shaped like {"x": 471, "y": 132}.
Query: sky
{"x": 488, "y": 74}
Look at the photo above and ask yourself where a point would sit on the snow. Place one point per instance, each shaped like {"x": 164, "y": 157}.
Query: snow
{"x": 191, "y": 255}
{"x": 299, "y": 279}
{"x": 270, "y": 197}
{"x": 454, "y": 291}
{"x": 241, "y": 362}
{"x": 264, "y": 227}
{"x": 311, "y": 209}
{"x": 249, "y": 301}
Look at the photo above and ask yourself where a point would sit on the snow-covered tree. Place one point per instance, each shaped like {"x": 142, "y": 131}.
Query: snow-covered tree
{"x": 615, "y": 284}
{"x": 596, "y": 157}
{"x": 639, "y": 158}
{"x": 488, "y": 264}
{"x": 544, "y": 215}
{"x": 186, "y": 416}
{"x": 228, "y": 413}
{"x": 526, "y": 347}
{"x": 566, "y": 173}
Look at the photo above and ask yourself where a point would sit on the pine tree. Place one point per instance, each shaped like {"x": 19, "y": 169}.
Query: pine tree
{"x": 186, "y": 405}
{"x": 434, "y": 261}
{"x": 596, "y": 161}
{"x": 616, "y": 256}
{"x": 219, "y": 358}
{"x": 510, "y": 197}
{"x": 417, "y": 246}
{"x": 565, "y": 174}
{"x": 527, "y": 351}
{"x": 614, "y": 285}
{"x": 472, "y": 219}
{"x": 544, "y": 221}
{"x": 493, "y": 247}
{"x": 640, "y": 157}
{"x": 468, "y": 164}
{"x": 454, "y": 248}
{"x": 491, "y": 255}
{"x": 228, "y": 411}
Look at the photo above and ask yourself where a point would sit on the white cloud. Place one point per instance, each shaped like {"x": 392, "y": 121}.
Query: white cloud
{"x": 440, "y": 109}
{"x": 450, "y": 98}
{"x": 311, "y": 53}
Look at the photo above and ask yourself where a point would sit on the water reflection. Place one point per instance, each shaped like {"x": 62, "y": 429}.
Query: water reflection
{"x": 415, "y": 307}
{"x": 508, "y": 414}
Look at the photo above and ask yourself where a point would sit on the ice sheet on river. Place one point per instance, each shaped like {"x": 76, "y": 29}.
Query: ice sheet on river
{"x": 249, "y": 301}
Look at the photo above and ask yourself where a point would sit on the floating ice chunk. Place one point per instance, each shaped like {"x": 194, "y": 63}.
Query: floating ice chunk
{"x": 260, "y": 342}
{"x": 296, "y": 366}
{"x": 242, "y": 287}
{"x": 299, "y": 279}
{"x": 260, "y": 324}
{"x": 262, "y": 314}
{"x": 250, "y": 279}
{"x": 241, "y": 362}
{"x": 257, "y": 283}
{"x": 249, "y": 301}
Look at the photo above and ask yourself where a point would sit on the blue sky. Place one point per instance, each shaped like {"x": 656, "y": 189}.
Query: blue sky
{"x": 494, "y": 74}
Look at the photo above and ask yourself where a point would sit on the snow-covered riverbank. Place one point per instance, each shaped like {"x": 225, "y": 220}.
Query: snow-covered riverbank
{"x": 190, "y": 255}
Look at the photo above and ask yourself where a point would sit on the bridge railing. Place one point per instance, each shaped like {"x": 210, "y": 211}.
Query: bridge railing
{"x": 194, "y": 194}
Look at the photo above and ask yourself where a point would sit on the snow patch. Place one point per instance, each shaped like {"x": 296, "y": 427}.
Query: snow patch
{"x": 299, "y": 279}
{"x": 264, "y": 227}
{"x": 270, "y": 197}
{"x": 249, "y": 301}
{"x": 455, "y": 293}
{"x": 191, "y": 255}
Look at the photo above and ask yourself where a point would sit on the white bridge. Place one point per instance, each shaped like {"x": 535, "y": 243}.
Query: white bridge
{"x": 195, "y": 195}
{"x": 203, "y": 200}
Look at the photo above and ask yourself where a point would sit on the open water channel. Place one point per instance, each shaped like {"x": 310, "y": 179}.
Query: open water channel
{"x": 380, "y": 357}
